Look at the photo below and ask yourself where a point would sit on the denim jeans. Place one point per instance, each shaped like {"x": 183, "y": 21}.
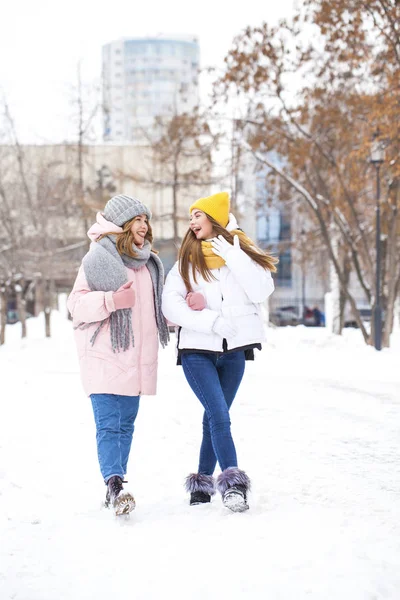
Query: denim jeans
{"x": 115, "y": 421}
{"x": 215, "y": 379}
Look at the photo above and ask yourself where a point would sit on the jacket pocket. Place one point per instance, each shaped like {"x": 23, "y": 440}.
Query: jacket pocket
{"x": 102, "y": 367}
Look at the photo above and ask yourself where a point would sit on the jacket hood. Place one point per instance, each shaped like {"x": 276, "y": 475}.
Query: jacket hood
{"x": 232, "y": 223}
{"x": 101, "y": 227}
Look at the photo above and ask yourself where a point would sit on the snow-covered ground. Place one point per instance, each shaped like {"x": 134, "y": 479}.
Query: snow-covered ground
{"x": 317, "y": 427}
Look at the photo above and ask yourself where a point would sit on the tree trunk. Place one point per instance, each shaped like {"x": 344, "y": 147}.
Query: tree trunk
{"x": 396, "y": 318}
{"x": 336, "y": 289}
{"x": 342, "y": 308}
{"x": 47, "y": 321}
{"x": 392, "y": 280}
{"x": 21, "y": 307}
{"x": 48, "y": 302}
{"x": 387, "y": 326}
{"x": 343, "y": 298}
{"x": 389, "y": 306}
{"x": 3, "y": 315}
{"x": 175, "y": 213}
{"x": 371, "y": 339}
{"x": 235, "y": 162}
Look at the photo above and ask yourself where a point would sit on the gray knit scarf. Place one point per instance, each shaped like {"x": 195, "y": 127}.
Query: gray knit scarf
{"x": 105, "y": 271}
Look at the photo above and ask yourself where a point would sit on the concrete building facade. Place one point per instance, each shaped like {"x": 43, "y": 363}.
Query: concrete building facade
{"x": 144, "y": 78}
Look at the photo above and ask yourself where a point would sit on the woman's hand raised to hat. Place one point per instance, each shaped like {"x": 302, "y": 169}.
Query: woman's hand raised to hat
{"x": 222, "y": 248}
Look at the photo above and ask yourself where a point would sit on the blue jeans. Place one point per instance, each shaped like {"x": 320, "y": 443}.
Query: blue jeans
{"x": 215, "y": 379}
{"x": 115, "y": 422}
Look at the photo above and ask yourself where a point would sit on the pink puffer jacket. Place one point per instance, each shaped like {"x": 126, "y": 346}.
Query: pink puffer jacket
{"x": 129, "y": 373}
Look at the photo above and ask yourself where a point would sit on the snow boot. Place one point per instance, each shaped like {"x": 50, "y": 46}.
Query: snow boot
{"x": 233, "y": 484}
{"x": 199, "y": 498}
{"x": 122, "y": 501}
{"x": 201, "y": 487}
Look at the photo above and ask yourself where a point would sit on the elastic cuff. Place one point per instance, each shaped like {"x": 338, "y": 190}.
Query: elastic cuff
{"x": 109, "y": 301}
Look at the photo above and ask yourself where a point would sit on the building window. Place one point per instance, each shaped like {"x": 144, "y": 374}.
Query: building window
{"x": 268, "y": 226}
{"x": 285, "y": 229}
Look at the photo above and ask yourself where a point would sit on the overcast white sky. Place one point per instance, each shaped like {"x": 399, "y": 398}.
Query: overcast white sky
{"x": 42, "y": 41}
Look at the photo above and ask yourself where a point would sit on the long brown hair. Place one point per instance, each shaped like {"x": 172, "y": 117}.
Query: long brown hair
{"x": 125, "y": 239}
{"x": 190, "y": 253}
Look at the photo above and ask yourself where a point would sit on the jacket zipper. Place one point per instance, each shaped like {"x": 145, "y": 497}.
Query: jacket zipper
{"x": 222, "y": 299}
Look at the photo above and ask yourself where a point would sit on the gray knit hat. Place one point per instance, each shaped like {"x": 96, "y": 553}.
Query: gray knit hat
{"x": 121, "y": 209}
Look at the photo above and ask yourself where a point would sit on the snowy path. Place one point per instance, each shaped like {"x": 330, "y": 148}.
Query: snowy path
{"x": 317, "y": 427}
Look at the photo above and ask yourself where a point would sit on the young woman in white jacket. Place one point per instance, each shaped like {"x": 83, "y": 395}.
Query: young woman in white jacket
{"x": 214, "y": 295}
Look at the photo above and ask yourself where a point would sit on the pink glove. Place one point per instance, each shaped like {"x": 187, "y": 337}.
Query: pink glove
{"x": 124, "y": 297}
{"x": 195, "y": 301}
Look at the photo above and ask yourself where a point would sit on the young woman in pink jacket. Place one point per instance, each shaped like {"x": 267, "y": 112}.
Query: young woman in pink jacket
{"x": 116, "y": 309}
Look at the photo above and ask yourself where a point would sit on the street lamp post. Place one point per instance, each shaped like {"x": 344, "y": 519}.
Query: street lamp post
{"x": 377, "y": 158}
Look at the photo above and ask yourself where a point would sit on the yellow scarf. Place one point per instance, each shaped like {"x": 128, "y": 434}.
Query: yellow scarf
{"x": 213, "y": 261}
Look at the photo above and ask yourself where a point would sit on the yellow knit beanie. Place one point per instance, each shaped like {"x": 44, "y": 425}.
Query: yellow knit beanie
{"x": 215, "y": 206}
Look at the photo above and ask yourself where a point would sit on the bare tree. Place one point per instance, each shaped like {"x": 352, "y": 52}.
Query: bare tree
{"x": 38, "y": 208}
{"x": 180, "y": 152}
{"x": 86, "y": 104}
{"x": 320, "y": 123}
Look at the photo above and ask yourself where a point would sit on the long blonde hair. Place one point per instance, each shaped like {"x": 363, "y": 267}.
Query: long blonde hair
{"x": 125, "y": 239}
{"x": 190, "y": 253}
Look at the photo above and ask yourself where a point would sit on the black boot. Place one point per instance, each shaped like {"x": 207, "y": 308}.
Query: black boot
{"x": 201, "y": 487}
{"x": 199, "y": 498}
{"x": 122, "y": 501}
{"x": 233, "y": 484}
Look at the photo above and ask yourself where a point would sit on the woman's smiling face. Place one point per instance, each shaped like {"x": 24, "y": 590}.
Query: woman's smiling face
{"x": 200, "y": 225}
{"x": 139, "y": 228}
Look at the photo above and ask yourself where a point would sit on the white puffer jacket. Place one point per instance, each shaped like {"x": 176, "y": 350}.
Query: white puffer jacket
{"x": 239, "y": 289}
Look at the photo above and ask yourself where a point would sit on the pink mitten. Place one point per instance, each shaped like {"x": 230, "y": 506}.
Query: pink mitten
{"x": 195, "y": 301}
{"x": 124, "y": 297}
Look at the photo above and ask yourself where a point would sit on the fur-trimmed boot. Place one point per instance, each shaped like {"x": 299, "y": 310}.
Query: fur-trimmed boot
{"x": 233, "y": 484}
{"x": 201, "y": 487}
{"x": 122, "y": 501}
